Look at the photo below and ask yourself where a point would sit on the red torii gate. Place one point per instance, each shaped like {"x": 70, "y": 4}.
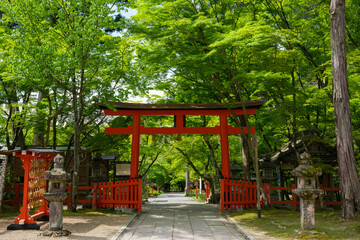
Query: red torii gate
{"x": 179, "y": 111}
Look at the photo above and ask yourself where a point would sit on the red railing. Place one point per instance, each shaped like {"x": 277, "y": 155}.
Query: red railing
{"x": 118, "y": 194}
{"x": 294, "y": 201}
{"x": 237, "y": 194}
{"x": 124, "y": 194}
{"x": 242, "y": 194}
{"x": 16, "y": 200}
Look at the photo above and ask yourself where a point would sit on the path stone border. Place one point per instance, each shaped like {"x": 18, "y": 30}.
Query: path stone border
{"x": 246, "y": 234}
{"x": 122, "y": 229}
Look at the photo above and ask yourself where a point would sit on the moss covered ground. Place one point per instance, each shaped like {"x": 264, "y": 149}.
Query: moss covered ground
{"x": 284, "y": 224}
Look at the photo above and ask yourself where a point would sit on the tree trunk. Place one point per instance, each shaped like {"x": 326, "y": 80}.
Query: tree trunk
{"x": 3, "y": 163}
{"x": 38, "y": 138}
{"x": 187, "y": 181}
{"x": 349, "y": 179}
{"x": 256, "y": 167}
{"x": 245, "y": 158}
{"x": 76, "y": 162}
{"x": 213, "y": 159}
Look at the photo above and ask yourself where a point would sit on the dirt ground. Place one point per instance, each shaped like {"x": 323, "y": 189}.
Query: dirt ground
{"x": 81, "y": 227}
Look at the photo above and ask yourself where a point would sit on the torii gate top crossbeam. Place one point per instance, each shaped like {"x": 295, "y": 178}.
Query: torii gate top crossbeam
{"x": 126, "y": 109}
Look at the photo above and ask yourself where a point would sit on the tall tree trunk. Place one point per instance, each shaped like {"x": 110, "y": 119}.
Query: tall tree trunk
{"x": 245, "y": 158}
{"x": 54, "y": 143}
{"x": 187, "y": 180}
{"x": 349, "y": 179}
{"x": 76, "y": 162}
{"x": 38, "y": 138}
{"x": 3, "y": 163}
{"x": 213, "y": 159}
{"x": 256, "y": 167}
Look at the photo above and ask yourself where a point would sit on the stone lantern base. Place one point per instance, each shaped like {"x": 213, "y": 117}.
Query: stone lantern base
{"x": 59, "y": 233}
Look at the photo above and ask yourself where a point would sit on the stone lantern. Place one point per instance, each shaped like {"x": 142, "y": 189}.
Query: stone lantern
{"x": 307, "y": 191}
{"x": 57, "y": 193}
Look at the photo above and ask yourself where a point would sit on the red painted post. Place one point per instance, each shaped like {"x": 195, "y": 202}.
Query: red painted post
{"x": 147, "y": 192}
{"x": 207, "y": 184}
{"x": 158, "y": 188}
{"x": 140, "y": 195}
{"x": 254, "y": 192}
{"x": 135, "y": 147}
{"x": 267, "y": 190}
{"x": 222, "y": 195}
{"x": 224, "y": 139}
{"x": 226, "y": 191}
{"x": 94, "y": 196}
{"x": 69, "y": 187}
{"x": 293, "y": 197}
{"x": 17, "y": 196}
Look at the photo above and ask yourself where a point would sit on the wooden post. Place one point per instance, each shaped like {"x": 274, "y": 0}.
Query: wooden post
{"x": 267, "y": 190}
{"x": 135, "y": 147}
{"x": 17, "y": 196}
{"x": 24, "y": 217}
{"x": 222, "y": 195}
{"x": 293, "y": 186}
{"x": 224, "y": 139}
{"x": 140, "y": 195}
{"x": 69, "y": 199}
{"x": 94, "y": 196}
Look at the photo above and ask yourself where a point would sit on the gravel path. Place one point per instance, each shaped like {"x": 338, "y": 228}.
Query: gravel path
{"x": 81, "y": 227}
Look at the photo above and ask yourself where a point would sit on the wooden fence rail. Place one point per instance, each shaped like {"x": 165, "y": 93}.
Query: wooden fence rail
{"x": 237, "y": 194}
{"x": 119, "y": 194}
{"x": 294, "y": 200}
{"x": 242, "y": 194}
{"x": 127, "y": 194}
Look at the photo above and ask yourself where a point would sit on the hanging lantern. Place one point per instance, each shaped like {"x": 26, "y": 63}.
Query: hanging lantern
{"x": 178, "y": 137}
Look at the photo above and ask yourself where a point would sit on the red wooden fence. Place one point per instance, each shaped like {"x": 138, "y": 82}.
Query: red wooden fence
{"x": 237, "y": 194}
{"x": 294, "y": 201}
{"x": 124, "y": 194}
{"x": 16, "y": 200}
{"x": 119, "y": 194}
{"x": 242, "y": 194}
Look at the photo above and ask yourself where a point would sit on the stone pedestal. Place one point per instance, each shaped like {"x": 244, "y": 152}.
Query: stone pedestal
{"x": 57, "y": 185}
{"x": 306, "y": 191}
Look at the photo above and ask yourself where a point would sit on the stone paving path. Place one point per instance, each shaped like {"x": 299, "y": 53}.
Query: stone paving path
{"x": 174, "y": 216}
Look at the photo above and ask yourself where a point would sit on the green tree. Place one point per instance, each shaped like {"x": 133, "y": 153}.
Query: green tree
{"x": 65, "y": 46}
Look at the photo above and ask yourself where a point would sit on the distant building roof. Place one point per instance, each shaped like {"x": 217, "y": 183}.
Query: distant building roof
{"x": 317, "y": 148}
